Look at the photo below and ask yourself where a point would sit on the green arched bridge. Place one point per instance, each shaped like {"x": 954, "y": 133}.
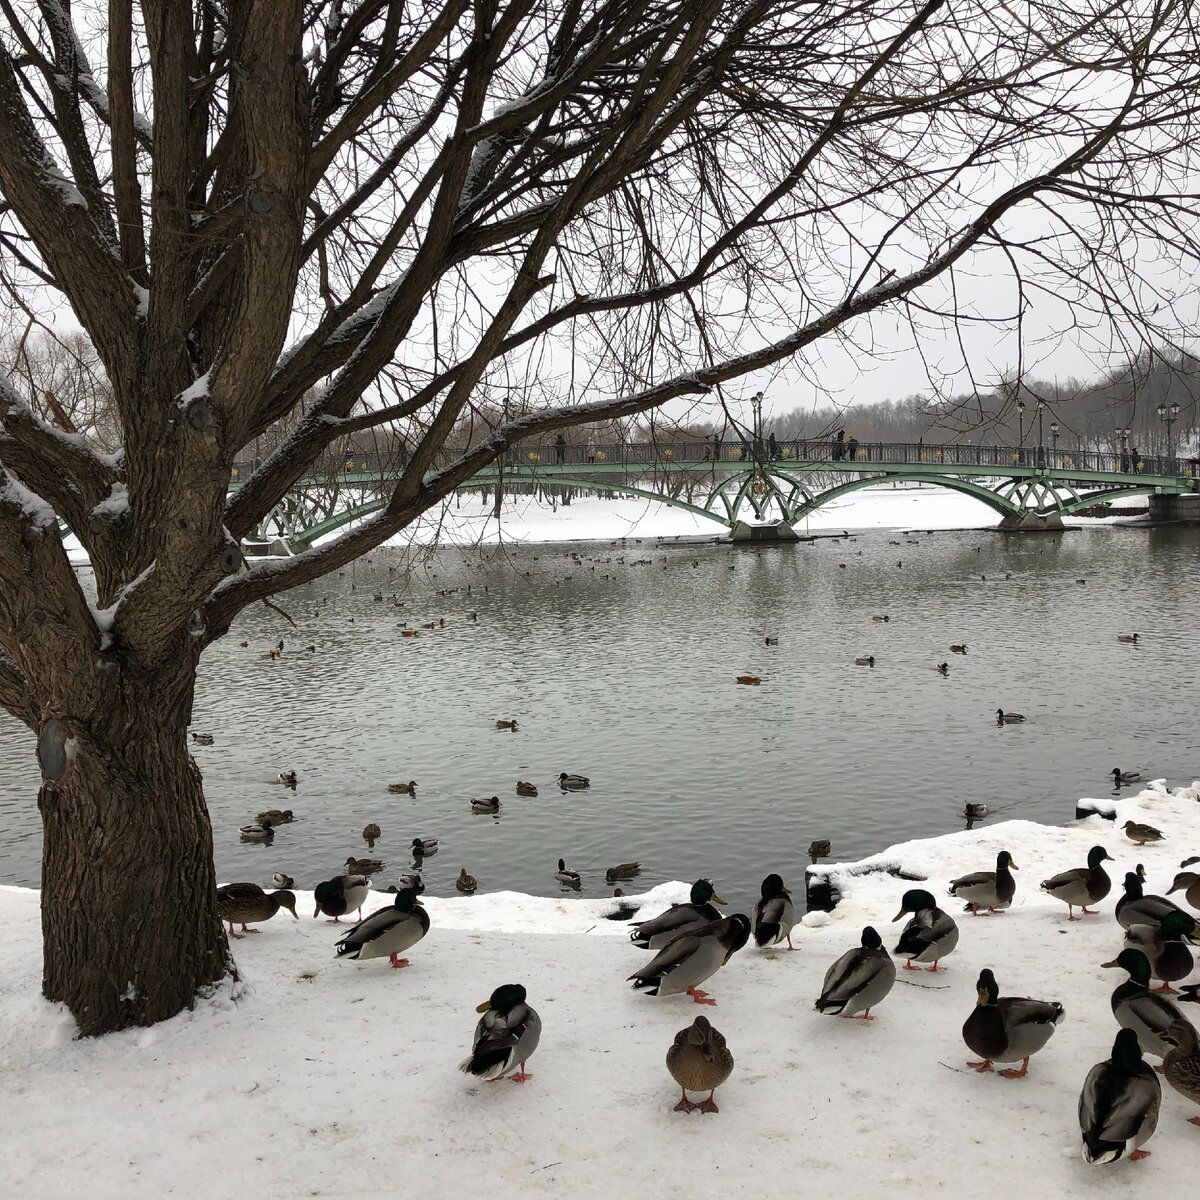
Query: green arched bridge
{"x": 726, "y": 481}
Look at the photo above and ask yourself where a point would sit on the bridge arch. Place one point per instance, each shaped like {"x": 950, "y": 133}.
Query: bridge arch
{"x": 966, "y": 486}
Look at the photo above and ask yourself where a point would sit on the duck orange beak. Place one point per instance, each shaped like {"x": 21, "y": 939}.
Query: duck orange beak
{"x": 484, "y": 1006}
{"x": 898, "y": 916}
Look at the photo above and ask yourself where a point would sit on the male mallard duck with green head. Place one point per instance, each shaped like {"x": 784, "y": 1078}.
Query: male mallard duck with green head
{"x": 1118, "y": 1107}
{"x": 1012, "y": 1029}
{"x": 1083, "y": 885}
{"x": 691, "y": 958}
{"x": 505, "y": 1037}
{"x": 1164, "y": 946}
{"x": 1135, "y": 908}
{"x": 388, "y": 932}
{"x": 1136, "y": 1007}
{"x": 340, "y": 895}
{"x": 773, "y": 914}
{"x": 929, "y": 936}
{"x": 993, "y": 890}
{"x": 700, "y": 909}
{"x": 859, "y": 980}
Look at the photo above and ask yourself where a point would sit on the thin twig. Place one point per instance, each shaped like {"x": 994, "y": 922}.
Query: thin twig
{"x": 276, "y": 608}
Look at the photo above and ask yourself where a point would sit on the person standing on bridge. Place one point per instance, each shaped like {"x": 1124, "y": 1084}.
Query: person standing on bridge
{"x": 1136, "y": 461}
{"x": 591, "y": 450}
{"x": 560, "y": 449}
{"x": 772, "y": 446}
{"x": 839, "y": 445}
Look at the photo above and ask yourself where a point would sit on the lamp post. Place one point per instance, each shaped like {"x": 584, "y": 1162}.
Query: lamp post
{"x": 1123, "y": 434}
{"x": 1054, "y": 437}
{"x": 1020, "y": 422}
{"x": 1169, "y": 416}
{"x": 756, "y": 405}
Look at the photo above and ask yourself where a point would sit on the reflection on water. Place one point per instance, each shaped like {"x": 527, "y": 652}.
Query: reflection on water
{"x": 620, "y": 664}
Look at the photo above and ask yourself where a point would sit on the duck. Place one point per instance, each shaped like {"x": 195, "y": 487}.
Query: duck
{"x": 751, "y": 680}
{"x": 1003, "y": 718}
{"x": 506, "y": 1036}
{"x": 276, "y": 816}
{"x": 820, "y": 848}
{"x": 202, "y": 739}
{"x": 859, "y": 980}
{"x": 959, "y": 648}
{"x": 773, "y": 914}
{"x": 975, "y": 811}
{"x": 403, "y": 789}
{"x": 700, "y": 909}
{"x": 1134, "y": 908}
{"x": 1181, "y": 1064}
{"x": 1187, "y": 882}
{"x": 246, "y": 902}
{"x": 465, "y": 883}
{"x": 929, "y": 936}
{"x": 1118, "y": 1107}
{"x": 771, "y": 641}
{"x": 340, "y": 895}
{"x": 942, "y": 668}
{"x": 868, "y": 661}
{"x": 1165, "y": 948}
{"x": 993, "y": 890}
{"x": 260, "y": 831}
{"x": 281, "y": 881}
{"x": 1009, "y": 1030}
{"x": 526, "y": 789}
{"x": 691, "y": 957}
{"x": 699, "y": 1061}
{"x": 627, "y": 870}
{"x": 884, "y": 617}
{"x": 510, "y": 725}
{"x": 1136, "y": 1007}
{"x": 1120, "y": 777}
{"x": 569, "y": 878}
{"x": 1081, "y": 886}
{"x": 574, "y": 783}
{"x": 1142, "y": 834}
{"x": 387, "y": 932}
{"x": 370, "y": 833}
{"x": 276, "y": 650}
{"x": 288, "y": 779}
{"x": 424, "y": 847}
{"x": 410, "y": 879}
{"x": 489, "y": 805}
{"x": 1128, "y": 638}
{"x": 363, "y": 866}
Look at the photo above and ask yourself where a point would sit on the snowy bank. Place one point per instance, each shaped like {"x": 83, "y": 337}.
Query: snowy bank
{"x": 331, "y": 1078}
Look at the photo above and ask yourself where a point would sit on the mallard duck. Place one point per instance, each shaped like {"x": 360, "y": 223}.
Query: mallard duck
{"x": 692, "y": 957}
{"x": 700, "y": 909}
{"x": 574, "y": 783}
{"x": 1189, "y": 862}
{"x": 929, "y": 936}
{"x": 885, "y": 617}
{"x": 820, "y": 848}
{"x": 1136, "y": 1007}
{"x": 1134, "y": 908}
{"x": 1130, "y": 638}
{"x": 288, "y": 779}
{"x": 1083, "y": 885}
{"x": 506, "y": 1036}
{"x": 276, "y": 650}
{"x": 1009, "y": 1030}
{"x": 526, "y": 789}
{"x": 1181, "y": 1064}
{"x": 276, "y": 816}
{"x": 202, "y": 739}
{"x": 403, "y": 789}
{"x": 282, "y": 881}
{"x": 699, "y": 1061}
{"x": 993, "y": 890}
{"x": 1187, "y": 882}
{"x": 975, "y": 811}
{"x": 410, "y": 879}
{"x": 490, "y": 805}
{"x": 1118, "y": 1107}
{"x": 773, "y": 914}
{"x": 771, "y": 641}
{"x": 1003, "y": 718}
{"x": 261, "y": 831}
{"x": 627, "y": 870}
{"x": 959, "y": 648}
{"x": 1120, "y": 777}
{"x": 1142, "y": 833}
{"x": 867, "y": 661}
{"x": 424, "y": 847}
{"x": 388, "y": 932}
{"x": 1164, "y": 947}
{"x": 246, "y": 902}
{"x": 512, "y": 725}
{"x": 859, "y": 980}
{"x": 466, "y": 883}
{"x": 569, "y": 878}
{"x": 371, "y": 833}
{"x": 340, "y": 895}
{"x": 942, "y": 668}
{"x": 752, "y": 680}
{"x": 363, "y": 866}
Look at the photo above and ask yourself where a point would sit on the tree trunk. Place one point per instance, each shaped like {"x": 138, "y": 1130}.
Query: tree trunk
{"x": 130, "y": 930}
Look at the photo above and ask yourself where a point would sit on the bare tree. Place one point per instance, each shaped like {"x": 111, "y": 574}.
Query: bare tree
{"x": 554, "y": 212}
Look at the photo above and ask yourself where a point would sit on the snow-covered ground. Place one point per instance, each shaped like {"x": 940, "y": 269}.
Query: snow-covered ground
{"x": 331, "y": 1078}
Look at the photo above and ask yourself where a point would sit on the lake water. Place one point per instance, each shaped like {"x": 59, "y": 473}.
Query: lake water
{"x": 620, "y": 664}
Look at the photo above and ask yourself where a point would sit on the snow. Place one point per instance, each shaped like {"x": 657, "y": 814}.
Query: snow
{"x": 38, "y": 513}
{"x": 71, "y": 195}
{"x": 116, "y": 504}
{"x": 323, "y": 1077}
{"x": 197, "y": 391}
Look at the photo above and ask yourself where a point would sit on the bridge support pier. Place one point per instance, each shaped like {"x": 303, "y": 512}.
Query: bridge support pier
{"x": 778, "y": 531}
{"x": 1184, "y": 508}
{"x": 1031, "y": 522}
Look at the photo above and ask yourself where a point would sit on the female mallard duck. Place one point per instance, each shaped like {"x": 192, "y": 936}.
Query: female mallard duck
{"x": 820, "y": 848}
{"x": 1187, "y": 882}
{"x": 465, "y": 883}
{"x": 1120, "y": 777}
{"x": 859, "y": 980}
{"x": 289, "y": 779}
{"x": 281, "y": 881}
{"x": 505, "y": 1037}
{"x": 623, "y": 871}
{"x": 699, "y": 910}
{"x": 403, "y": 789}
{"x": 958, "y": 648}
{"x": 246, "y": 902}
{"x": 424, "y": 847}
{"x": 276, "y": 816}
{"x": 692, "y": 957}
{"x": 751, "y": 680}
{"x": 276, "y": 650}
{"x": 1082, "y": 885}
{"x": 568, "y": 878}
{"x": 371, "y": 834}
{"x": 363, "y": 866}
{"x": 510, "y": 725}
{"x": 1142, "y": 834}
{"x": 388, "y": 932}
{"x": 1118, "y": 1107}
{"x": 993, "y": 890}
{"x": 1134, "y": 908}
{"x": 773, "y": 914}
{"x": 1181, "y": 1064}
{"x": 575, "y": 783}
{"x": 929, "y": 936}
{"x": 1136, "y": 1007}
{"x": 866, "y": 661}
{"x": 1009, "y": 1030}
{"x": 1003, "y": 718}
{"x": 699, "y": 1061}
{"x": 489, "y": 805}
{"x": 202, "y": 739}
{"x": 526, "y": 789}
{"x": 1163, "y": 944}
{"x": 340, "y": 895}
{"x": 261, "y": 831}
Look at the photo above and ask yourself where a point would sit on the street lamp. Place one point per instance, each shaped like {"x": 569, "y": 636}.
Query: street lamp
{"x": 756, "y": 406}
{"x": 1041, "y": 439}
{"x": 1054, "y": 435}
{"x": 1123, "y": 434}
{"x": 1169, "y": 416}
{"x": 1020, "y": 422}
